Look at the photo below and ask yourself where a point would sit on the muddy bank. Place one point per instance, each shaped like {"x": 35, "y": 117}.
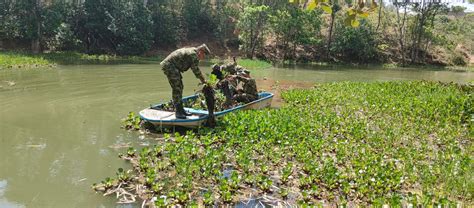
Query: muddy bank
{"x": 278, "y": 86}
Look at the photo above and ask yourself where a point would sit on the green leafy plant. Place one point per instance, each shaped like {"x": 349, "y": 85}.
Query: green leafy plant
{"x": 131, "y": 122}
{"x": 362, "y": 143}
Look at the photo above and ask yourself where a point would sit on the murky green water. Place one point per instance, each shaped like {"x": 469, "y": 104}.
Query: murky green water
{"x": 60, "y": 128}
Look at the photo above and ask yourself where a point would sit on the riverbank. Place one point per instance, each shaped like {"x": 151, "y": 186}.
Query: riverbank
{"x": 25, "y": 60}
{"x": 346, "y": 143}
{"x": 18, "y": 60}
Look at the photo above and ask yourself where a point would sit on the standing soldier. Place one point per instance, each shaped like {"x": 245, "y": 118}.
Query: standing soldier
{"x": 178, "y": 62}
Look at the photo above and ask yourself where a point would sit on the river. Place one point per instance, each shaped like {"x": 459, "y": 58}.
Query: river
{"x": 60, "y": 128}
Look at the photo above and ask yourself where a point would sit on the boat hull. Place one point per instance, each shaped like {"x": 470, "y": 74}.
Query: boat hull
{"x": 161, "y": 118}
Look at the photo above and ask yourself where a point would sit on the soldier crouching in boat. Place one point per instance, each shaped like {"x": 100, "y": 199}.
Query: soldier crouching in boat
{"x": 178, "y": 62}
{"x": 236, "y": 74}
{"x": 249, "y": 92}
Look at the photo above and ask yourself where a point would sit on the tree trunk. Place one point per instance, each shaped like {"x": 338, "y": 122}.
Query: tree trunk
{"x": 248, "y": 50}
{"x": 380, "y": 15}
{"x": 35, "y": 43}
{"x": 401, "y": 30}
{"x": 330, "y": 35}
{"x": 294, "y": 51}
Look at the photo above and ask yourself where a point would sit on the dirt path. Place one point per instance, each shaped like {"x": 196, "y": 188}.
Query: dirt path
{"x": 276, "y": 87}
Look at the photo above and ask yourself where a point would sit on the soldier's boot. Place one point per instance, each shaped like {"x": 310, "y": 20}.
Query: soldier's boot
{"x": 185, "y": 112}
{"x": 180, "y": 113}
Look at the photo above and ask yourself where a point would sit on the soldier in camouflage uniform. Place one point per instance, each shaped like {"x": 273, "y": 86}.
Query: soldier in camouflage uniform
{"x": 249, "y": 92}
{"x": 231, "y": 71}
{"x": 178, "y": 62}
{"x": 232, "y": 68}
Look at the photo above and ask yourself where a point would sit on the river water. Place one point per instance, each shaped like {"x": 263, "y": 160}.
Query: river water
{"x": 60, "y": 128}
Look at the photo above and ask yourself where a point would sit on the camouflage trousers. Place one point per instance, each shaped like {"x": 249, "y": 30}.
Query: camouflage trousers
{"x": 176, "y": 82}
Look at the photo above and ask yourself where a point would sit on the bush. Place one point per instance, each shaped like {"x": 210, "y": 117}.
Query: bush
{"x": 166, "y": 23}
{"x": 294, "y": 27}
{"x": 134, "y": 28}
{"x": 458, "y": 59}
{"x": 198, "y": 17}
{"x": 8, "y": 24}
{"x": 355, "y": 44}
{"x": 122, "y": 27}
{"x": 19, "y": 20}
{"x": 57, "y": 30}
{"x": 225, "y": 23}
{"x": 252, "y": 26}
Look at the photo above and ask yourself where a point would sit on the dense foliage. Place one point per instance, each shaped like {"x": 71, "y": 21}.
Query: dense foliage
{"x": 294, "y": 27}
{"x": 252, "y": 28}
{"x": 355, "y": 43}
{"x": 337, "y": 144}
{"x": 405, "y": 33}
{"x": 123, "y": 27}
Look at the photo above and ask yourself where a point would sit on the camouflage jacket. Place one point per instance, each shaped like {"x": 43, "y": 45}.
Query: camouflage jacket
{"x": 232, "y": 68}
{"x": 182, "y": 60}
{"x": 250, "y": 86}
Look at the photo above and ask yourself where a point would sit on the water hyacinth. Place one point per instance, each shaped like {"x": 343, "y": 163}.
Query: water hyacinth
{"x": 393, "y": 143}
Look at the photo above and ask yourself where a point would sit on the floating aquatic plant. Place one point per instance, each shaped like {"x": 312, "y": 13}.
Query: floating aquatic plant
{"x": 132, "y": 121}
{"x": 394, "y": 143}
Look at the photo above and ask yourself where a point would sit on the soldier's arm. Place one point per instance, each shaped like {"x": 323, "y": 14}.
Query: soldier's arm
{"x": 197, "y": 72}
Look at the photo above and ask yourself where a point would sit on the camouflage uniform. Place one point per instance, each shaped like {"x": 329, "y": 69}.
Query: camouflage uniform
{"x": 249, "y": 93}
{"x": 232, "y": 68}
{"x": 176, "y": 63}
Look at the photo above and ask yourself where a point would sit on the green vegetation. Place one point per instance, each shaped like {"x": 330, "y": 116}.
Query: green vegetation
{"x": 298, "y": 31}
{"x": 15, "y": 60}
{"x": 336, "y": 144}
{"x": 29, "y": 60}
{"x": 131, "y": 122}
{"x": 357, "y": 43}
{"x": 252, "y": 26}
{"x": 246, "y": 63}
{"x": 254, "y": 64}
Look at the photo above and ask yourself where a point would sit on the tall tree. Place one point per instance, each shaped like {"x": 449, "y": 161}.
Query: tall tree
{"x": 335, "y": 8}
{"x": 426, "y": 11}
{"x": 401, "y": 27}
{"x": 252, "y": 26}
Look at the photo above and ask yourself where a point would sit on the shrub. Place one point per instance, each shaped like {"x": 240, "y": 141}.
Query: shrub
{"x": 133, "y": 28}
{"x": 355, "y": 44}
{"x": 123, "y": 27}
{"x": 252, "y": 27}
{"x": 198, "y": 17}
{"x": 166, "y": 24}
{"x": 458, "y": 59}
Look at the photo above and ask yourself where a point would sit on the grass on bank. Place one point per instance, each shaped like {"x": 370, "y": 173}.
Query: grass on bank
{"x": 337, "y": 144}
{"x": 16, "y": 60}
{"x": 45, "y": 60}
{"x": 246, "y": 63}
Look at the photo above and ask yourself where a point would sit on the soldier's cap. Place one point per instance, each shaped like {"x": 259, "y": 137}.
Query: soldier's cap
{"x": 205, "y": 48}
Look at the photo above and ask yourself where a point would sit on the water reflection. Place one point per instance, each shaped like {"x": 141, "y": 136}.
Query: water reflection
{"x": 4, "y": 203}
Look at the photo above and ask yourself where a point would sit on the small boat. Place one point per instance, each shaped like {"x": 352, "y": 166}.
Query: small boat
{"x": 159, "y": 117}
